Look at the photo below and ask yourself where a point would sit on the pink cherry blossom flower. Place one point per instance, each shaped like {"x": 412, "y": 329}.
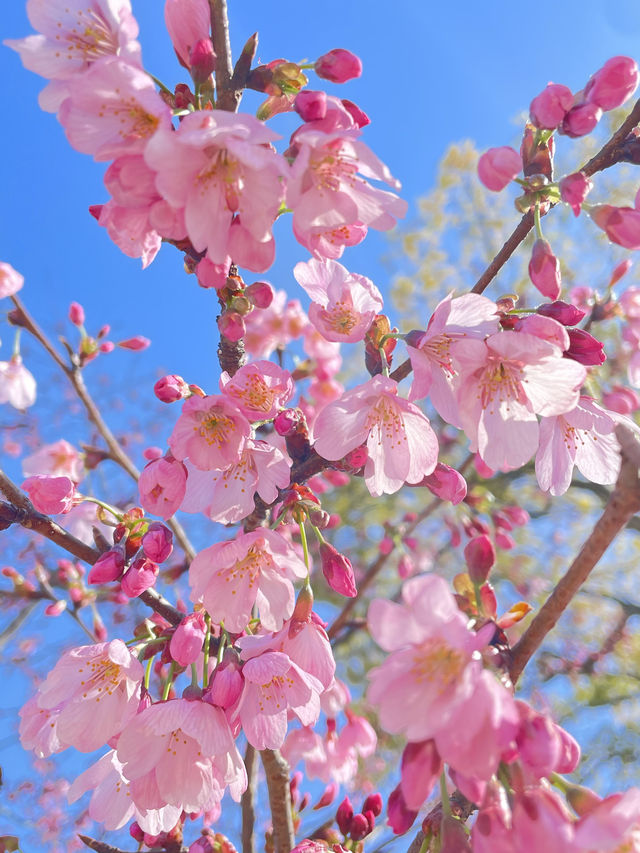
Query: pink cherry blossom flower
{"x": 612, "y": 825}
{"x": 210, "y": 432}
{"x": 111, "y": 802}
{"x": 59, "y": 459}
{"x": 162, "y": 485}
{"x": 228, "y": 496}
{"x": 583, "y": 437}
{"x": 541, "y": 822}
{"x": 326, "y": 193}
{"x": 130, "y": 230}
{"x": 274, "y": 327}
{"x": 38, "y": 729}
{"x": 254, "y": 568}
{"x": 402, "y": 446}
{"x": 113, "y": 109}
{"x": 259, "y": 389}
{"x": 10, "y": 280}
{"x": 187, "y": 21}
{"x": 73, "y": 36}
{"x": 180, "y": 753}
{"x": 344, "y": 304}
{"x": 95, "y": 692}
{"x": 50, "y": 495}
{"x": 432, "y": 678}
{"x": 433, "y": 353}
{"x": 421, "y": 769}
{"x": 274, "y": 685}
{"x": 218, "y": 165}
{"x": 497, "y": 167}
{"x": 17, "y": 385}
{"x": 508, "y": 379}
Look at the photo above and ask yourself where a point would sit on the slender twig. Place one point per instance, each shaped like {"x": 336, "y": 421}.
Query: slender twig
{"x": 227, "y": 96}
{"x": 277, "y": 772}
{"x": 623, "y": 503}
{"x": 247, "y": 803}
{"x": 74, "y": 375}
{"x": 610, "y": 153}
{"x": 23, "y": 513}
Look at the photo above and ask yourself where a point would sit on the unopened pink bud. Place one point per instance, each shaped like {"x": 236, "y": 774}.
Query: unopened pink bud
{"x": 56, "y": 608}
{"x": 548, "y": 108}
{"x": 137, "y": 342}
{"x": 613, "y": 84}
{"x": 157, "y": 542}
{"x": 499, "y": 166}
{"x": 574, "y": 189}
{"x": 544, "y": 269}
{"x": 202, "y": 60}
{"x": 480, "y": 556}
{"x": 286, "y": 421}
{"x": 228, "y": 682}
{"x": 338, "y": 66}
{"x": 504, "y": 541}
{"x": 50, "y": 495}
{"x": 310, "y": 105}
{"x": 76, "y": 314}
{"x": 581, "y": 120}
{"x": 328, "y": 796}
{"x": 621, "y": 269}
{"x": 584, "y": 348}
{"x": 231, "y": 325}
{"x": 373, "y": 803}
{"x": 358, "y": 115}
{"x": 171, "y": 388}
{"x": 151, "y": 453}
{"x": 260, "y": 293}
{"x": 386, "y": 546}
{"x": 517, "y": 515}
{"x": 359, "y": 827}
{"x": 108, "y": 567}
{"x": 141, "y": 575}
{"x": 446, "y": 483}
{"x": 357, "y": 457}
{"x": 136, "y": 832}
{"x": 344, "y": 816}
{"x": 187, "y": 639}
{"x": 621, "y": 224}
{"x": 562, "y": 312}
{"x": 621, "y": 399}
{"x": 107, "y": 346}
{"x": 337, "y": 570}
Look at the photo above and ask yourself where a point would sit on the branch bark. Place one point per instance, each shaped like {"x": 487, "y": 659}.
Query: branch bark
{"x": 277, "y": 773}
{"x": 623, "y": 503}
{"x": 247, "y": 803}
{"x": 227, "y": 96}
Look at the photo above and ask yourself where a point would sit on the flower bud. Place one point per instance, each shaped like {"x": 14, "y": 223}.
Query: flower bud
{"x": 544, "y": 269}
{"x": 260, "y": 293}
{"x": 231, "y": 325}
{"x": 187, "y": 639}
{"x": 50, "y": 495}
{"x": 480, "y": 556}
{"x": 338, "y": 66}
{"x": 359, "y": 827}
{"x": 562, "y": 312}
{"x": 584, "y": 348}
{"x": 285, "y": 422}
{"x": 621, "y": 399}
{"x": 358, "y": 115}
{"x": 56, "y": 608}
{"x": 108, "y": 567}
{"x": 76, "y": 314}
{"x": 620, "y": 271}
{"x": 574, "y": 189}
{"x": 157, "y": 542}
{"x": 446, "y": 483}
{"x": 549, "y": 108}
{"x": 311, "y": 106}
{"x": 613, "y": 84}
{"x": 202, "y": 60}
{"x": 10, "y": 280}
{"x": 344, "y": 816}
{"x": 228, "y": 682}
{"x": 373, "y": 803}
{"x": 498, "y": 166}
{"x": 136, "y": 343}
{"x": 171, "y": 388}
{"x": 581, "y": 120}
{"x": 621, "y": 224}
{"x": 140, "y": 575}
{"x": 328, "y": 796}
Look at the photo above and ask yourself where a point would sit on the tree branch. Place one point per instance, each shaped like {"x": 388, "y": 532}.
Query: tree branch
{"x": 623, "y": 503}
{"x": 227, "y": 96}
{"x": 610, "y": 153}
{"x": 247, "y": 803}
{"x": 277, "y": 773}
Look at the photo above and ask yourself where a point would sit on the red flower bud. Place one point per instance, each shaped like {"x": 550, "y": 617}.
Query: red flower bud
{"x": 480, "y": 556}
{"x": 202, "y": 60}
{"x": 338, "y": 571}
{"x": 338, "y": 66}
{"x": 344, "y": 816}
{"x": 584, "y": 348}
{"x": 171, "y": 388}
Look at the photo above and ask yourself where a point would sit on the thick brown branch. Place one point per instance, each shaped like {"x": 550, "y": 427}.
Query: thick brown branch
{"x": 277, "y": 772}
{"x": 610, "y": 153}
{"x": 247, "y": 803}
{"x": 623, "y": 503}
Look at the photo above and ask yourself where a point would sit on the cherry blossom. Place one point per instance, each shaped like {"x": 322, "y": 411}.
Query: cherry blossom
{"x": 401, "y": 445}
{"x": 59, "y": 459}
{"x": 344, "y": 304}
{"x": 10, "y": 280}
{"x": 17, "y": 385}
{"x": 259, "y": 389}
{"x": 255, "y": 568}
{"x": 210, "y": 432}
